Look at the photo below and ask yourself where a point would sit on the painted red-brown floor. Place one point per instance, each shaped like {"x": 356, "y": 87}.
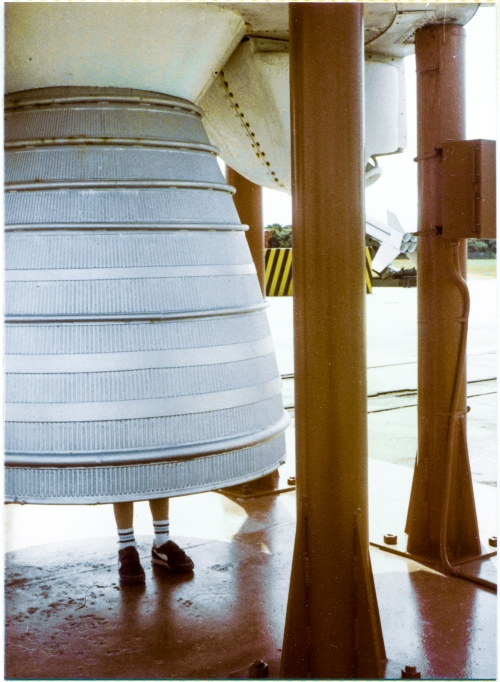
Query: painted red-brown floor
{"x": 67, "y": 616}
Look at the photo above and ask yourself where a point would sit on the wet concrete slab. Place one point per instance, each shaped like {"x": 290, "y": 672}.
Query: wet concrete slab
{"x": 392, "y": 430}
{"x": 444, "y": 626}
{"x": 391, "y": 324}
{"x": 389, "y": 488}
{"x": 67, "y": 616}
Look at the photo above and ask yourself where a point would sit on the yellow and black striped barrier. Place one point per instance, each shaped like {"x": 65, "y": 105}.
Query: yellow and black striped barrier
{"x": 368, "y": 271}
{"x": 279, "y": 272}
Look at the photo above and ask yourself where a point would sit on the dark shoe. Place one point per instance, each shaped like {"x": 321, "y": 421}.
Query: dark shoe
{"x": 131, "y": 572}
{"x": 172, "y": 557}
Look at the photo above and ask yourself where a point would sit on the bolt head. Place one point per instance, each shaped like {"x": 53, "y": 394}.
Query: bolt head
{"x": 492, "y": 541}
{"x": 410, "y": 673}
{"x": 291, "y": 480}
{"x": 258, "y": 669}
{"x": 391, "y": 539}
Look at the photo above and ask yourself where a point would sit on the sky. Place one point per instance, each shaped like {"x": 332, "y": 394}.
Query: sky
{"x": 397, "y": 188}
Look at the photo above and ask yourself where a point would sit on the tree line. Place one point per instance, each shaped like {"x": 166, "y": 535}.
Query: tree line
{"x": 280, "y": 237}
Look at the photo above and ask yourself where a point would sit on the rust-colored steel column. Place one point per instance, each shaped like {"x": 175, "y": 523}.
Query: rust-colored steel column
{"x": 332, "y": 624}
{"x": 248, "y": 201}
{"x": 440, "y": 53}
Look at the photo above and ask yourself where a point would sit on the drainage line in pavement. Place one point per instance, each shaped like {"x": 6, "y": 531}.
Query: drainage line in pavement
{"x": 402, "y": 407}
{"x": 284, "y": 377}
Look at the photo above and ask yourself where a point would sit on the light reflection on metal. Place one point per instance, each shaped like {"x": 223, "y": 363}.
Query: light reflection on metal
{"x": 138, "y": 354}
{"x": 332, "y": 628}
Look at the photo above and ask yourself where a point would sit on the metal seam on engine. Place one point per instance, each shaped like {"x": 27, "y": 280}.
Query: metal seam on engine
{"x": 167, "y": 103}
{"x": 255, "y": 145}
{"x": 119, "y": 317}
{"x": 112, "y": 142}
{"x": 91, "y": 485}
{"x": 150, "y": 455}
{"x": 82, "y": 228}
{"x": 89, "y": 273}
{"x": 118, "y": 184}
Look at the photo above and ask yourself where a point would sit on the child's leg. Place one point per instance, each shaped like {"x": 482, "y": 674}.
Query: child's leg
{"x": 130, "y": 570}
{"x": 165, "y": 552}
{"x": 124, "y": 516}
{"x": 159, "y": 512}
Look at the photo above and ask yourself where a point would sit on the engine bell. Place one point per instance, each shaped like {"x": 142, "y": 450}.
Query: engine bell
{"x": 139, "y": 361}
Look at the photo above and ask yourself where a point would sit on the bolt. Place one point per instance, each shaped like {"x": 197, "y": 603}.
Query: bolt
{"x": 258, "y": 669}
{"x": 291, "y": 480}
{"x": 410, "y": 673}
{"x": 245, "y": 486}
{"x": 391, "y": 539}
{"x": 492, "y": 541}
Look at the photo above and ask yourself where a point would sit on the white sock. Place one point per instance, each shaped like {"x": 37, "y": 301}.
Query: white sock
{"x": 126, "y": 538}
{"x": 161, "y": 529}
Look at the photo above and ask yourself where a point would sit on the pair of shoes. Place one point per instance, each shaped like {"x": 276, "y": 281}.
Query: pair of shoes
{"x": 130, "y": 570}
{"x": 171, "y": 556}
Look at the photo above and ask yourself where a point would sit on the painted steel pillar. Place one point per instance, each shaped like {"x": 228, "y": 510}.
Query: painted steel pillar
{"x": 332, "y": 624}
{"x": 248, "y": 202}
{"x": 440, "y": 54}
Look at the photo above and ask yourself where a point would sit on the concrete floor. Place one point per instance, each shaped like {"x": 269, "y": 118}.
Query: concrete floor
{"x": 67, "y": 617}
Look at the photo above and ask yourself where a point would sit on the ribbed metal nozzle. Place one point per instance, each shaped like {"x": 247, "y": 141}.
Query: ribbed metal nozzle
{"x": 138, "y": 355}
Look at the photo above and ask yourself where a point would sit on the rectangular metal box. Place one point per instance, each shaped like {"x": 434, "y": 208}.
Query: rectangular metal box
{"x": 469, "y": 189}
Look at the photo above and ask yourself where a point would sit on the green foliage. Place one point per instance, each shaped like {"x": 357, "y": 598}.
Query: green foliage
{"x": 482, "y": 248}
{"x": 280, "y": 236}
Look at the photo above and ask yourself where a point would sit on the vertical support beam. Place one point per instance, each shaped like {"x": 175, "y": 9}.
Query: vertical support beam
{"x": 440, "y": 54}
{"x": 248, "y": 201}
{"x": 332, "y": 625}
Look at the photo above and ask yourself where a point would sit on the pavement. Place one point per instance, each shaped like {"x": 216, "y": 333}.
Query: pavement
{"x": 67, "y": 616}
